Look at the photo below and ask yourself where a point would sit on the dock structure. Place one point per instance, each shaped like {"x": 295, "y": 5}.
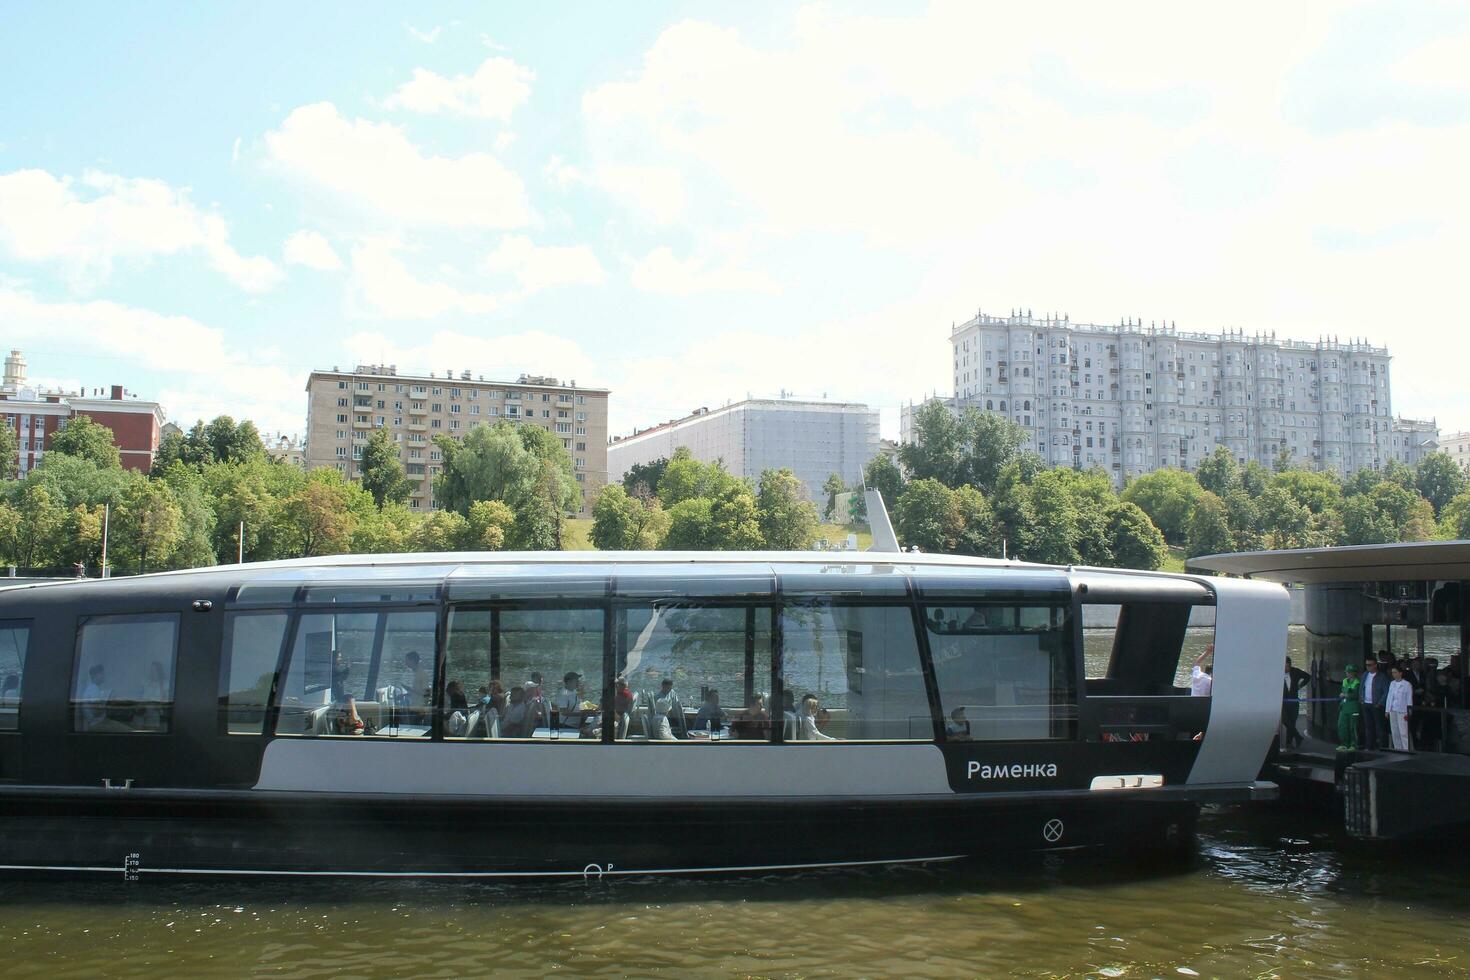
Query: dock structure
{"x": 1403, "y": 603}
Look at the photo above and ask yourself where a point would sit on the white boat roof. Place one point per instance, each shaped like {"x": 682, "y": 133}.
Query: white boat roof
{"x": 1416, "y": 560}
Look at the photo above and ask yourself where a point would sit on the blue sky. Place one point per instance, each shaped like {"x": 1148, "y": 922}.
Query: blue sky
{"x": 692, "y": 202}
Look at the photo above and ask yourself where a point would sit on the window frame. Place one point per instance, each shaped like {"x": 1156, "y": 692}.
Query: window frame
{"x": 29, "y": 625}
{"x": 226, "y": 660}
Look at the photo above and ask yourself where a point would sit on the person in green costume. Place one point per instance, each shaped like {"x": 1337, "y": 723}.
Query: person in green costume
{"x": 1347, "y": 711}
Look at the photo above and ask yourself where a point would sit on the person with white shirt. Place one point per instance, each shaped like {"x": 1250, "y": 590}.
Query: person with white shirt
{"x": 1202, "y": 680}
{"x": 568, "y": 701}
{"x": 94, "y": 698}
{"x": 664, "y": 704}
{"x": 807, "y": 730}
{"x": 1398, "y": 705}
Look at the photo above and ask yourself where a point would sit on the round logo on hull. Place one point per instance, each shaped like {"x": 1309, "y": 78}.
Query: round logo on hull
{"x": 1052, "y": 831}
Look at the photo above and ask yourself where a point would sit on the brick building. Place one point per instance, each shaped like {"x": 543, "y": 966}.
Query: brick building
{"x": 37, "y": 416}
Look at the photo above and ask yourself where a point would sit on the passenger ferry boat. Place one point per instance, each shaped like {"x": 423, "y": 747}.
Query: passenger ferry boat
{"x": 495, "y": 715}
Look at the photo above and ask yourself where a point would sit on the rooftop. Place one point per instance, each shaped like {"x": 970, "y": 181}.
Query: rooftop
{"x": 389, "y": 372}
{"x": 1351, "y": 563}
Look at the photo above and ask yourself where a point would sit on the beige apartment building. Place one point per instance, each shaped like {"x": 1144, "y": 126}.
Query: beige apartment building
{"x": 344, "y": 407}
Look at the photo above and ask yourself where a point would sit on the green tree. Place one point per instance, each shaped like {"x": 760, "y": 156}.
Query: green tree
{"x": 1439, "y": 480}
{"x": 439, "y": 530}
{"x": 1209, "y": 527}
{"x": 230, "y": 442}
{"x": 1254, "y": 477}
{"x": 387, "y": 531}
{"x": 685, "y": 478}
{"x": 969, "y": 450}
{"x": 788, "y": 521}
{"x": 1218, "y": 472}
{"x": 622, "y": 522}
{"x": 977, "y": 533}
{"x": 539, "y": 518}
{"x": 1053, "y": 539}
{"x": 926, "y": 516}
{"x": 39, "y": 518}
{"x": 641, "y": 480}
{"x": 9, "y": 451}
{"x": 937, "y": 447}
{"x": 556, "y": 478}
{"x": 690, "y": 526}
{"x": 1455, "y": 518}
{"x": 1284, "y": 522}
{"x": 832, "y": 488}
{"x": 1134, "y": 540}
{"x": 487, "y": 526}
{"x": 317, "y": 518}
{"x": 195, "y": 545}
{"x": 382, "y": 472}
{"x": 1167, "y": 496}
{"x": 1397, "y": 471}
{"x": 1318, "y": 492}
{"x": 883, "y": 475}
{"x": 735, "y": 520}
{"x": 1361, "y": 481}
{"x": 1244, "y": 519}
{"x": 86, "y": 439}
{"x": 491, "y": 463}
{"x": 1387, "y": 513}
{"x": 147, "y": 525}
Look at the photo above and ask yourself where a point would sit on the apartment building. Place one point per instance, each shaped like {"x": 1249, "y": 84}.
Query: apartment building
{"x": 1133, "y": 398}
{"x": 284, "y": 448}
{"x": 1457, "y": 444}
{"x": 1410, "y": 440}
{"x": 344, "y": 407}
{"x": 37, "y": 415}
{"x": 813, "y": 438}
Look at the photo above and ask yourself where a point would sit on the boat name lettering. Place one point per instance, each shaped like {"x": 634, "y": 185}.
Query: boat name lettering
{"x": 1016, "y": 770}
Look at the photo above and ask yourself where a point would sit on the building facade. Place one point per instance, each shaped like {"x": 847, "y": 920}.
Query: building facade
{"x": 37, "y": 415}
{"x": 284, "y": 448}
{"x": 813, "y": 438}
{"x": 1457, "y": 444}
{"x": 344, "y": 407}
{"x": 1133, "y": 398}
{"x": 1410, "y": 440}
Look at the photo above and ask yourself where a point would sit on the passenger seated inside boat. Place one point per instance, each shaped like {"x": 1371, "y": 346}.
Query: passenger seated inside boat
{"x": 710, "y": 716}
{"x": 568, "y": 701}
{"x": 665, "y": 703}
{"x": 416, "y": 680}
{"x": 754, "y": 723}
{"x": 957, "y": 727}
{"x": 623, "y": 702}
{"x": 458, "y": 708}
{"x": 94, "y": 699}
{"x": 346, "y": 721}
{"x": 808, "y": 729}
{"x": 513, "y": 724}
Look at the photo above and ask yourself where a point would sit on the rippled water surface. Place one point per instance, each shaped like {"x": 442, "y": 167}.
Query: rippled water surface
{"x": 1264, "y": 894}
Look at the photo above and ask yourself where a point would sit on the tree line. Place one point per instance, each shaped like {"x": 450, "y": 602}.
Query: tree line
{"x": 503, "y": 486}
{"x": 966, "y": 486}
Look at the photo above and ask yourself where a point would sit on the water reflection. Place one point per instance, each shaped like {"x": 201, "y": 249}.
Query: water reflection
{"x": 1264, "y": 894}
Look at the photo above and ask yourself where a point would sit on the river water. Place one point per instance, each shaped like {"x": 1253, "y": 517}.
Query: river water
{"x": 1265, "y": 892}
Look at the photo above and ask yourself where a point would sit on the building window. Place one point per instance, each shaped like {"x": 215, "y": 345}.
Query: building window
{"x": 15, "y": 640}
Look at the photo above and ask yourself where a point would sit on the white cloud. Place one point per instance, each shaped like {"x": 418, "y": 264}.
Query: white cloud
{"x": 428, "y": 37}
{"x": 206, "y": 372}
{"x": 562, "y": 174}
{"x": 495, "y": 90}
{"x": 88, "y": 224}
{"x": 376, "y": 165}
{"x": 661, "y": 272}
{"x": 538, "y": 267}
{"x": 388, "y": 288}
{"x": 311, "y": 249}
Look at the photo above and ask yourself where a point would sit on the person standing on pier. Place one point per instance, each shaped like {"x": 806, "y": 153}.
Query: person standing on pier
{"x": 1374, "y": 698}
{"x": 1293, "y": 680}
{"x": 1400, "y": 703}
{"x": 1348, "y": 710}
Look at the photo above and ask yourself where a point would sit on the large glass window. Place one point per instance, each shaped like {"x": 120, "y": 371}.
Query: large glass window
{"x": 852, "y": 672}
{"x": 15, "y": 637}
{"x": 359, "y": 673}
{"x": 524, "y": 673}
{"x": 695, "y": 672}
{"x": 124, "y": 678}
{"x": 1004, "y": 671}
{"x": 253, "y": 644}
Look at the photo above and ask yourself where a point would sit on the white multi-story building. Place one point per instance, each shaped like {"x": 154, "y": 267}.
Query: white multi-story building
{"x": 813, "y": 438}
{"x": 1457, "y": 444}
{"x": 1133, "y": 398}
{"x": 1410, "y": 440}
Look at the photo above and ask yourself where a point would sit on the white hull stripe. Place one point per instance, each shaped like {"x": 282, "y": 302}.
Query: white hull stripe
{"x": 591, "y": 871}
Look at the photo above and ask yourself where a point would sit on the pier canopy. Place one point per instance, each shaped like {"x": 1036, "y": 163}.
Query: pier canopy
{"x": 1414, "y": 561}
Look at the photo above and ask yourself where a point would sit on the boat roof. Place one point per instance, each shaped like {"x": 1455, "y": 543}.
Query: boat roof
{"x": 1416, "y": 560}
{"x": 476, "y": 571}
